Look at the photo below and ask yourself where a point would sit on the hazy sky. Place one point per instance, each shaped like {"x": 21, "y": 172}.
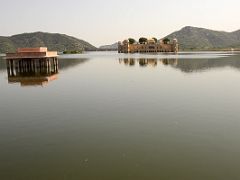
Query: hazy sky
{"x": 107, "y": 21}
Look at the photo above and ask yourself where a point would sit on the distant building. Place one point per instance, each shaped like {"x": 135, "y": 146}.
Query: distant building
{"x": 149, "y": 46}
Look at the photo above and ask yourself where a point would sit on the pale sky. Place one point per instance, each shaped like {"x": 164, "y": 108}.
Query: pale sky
{"x": 103, "y": 22}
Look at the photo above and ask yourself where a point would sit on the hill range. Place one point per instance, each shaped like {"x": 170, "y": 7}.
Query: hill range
{"x": 192, "y": 38}
{"x": 189, "y": 38}
{"x": 54, "y": 41}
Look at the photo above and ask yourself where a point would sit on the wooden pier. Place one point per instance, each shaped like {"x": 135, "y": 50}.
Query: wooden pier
{"x": 32, "y": 65}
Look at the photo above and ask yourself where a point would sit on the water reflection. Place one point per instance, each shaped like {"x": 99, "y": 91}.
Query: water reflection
{"x": 185, "y": 65}
{"x": 201, "y": 65}
{"x": 147, "y": 62}
{"x": 141, "y": 118}
{"x": 67, "y": 63}
{"x": 32, "y": 79}
{"x": 2, "y": 64}
{"x": 36, "y": 76}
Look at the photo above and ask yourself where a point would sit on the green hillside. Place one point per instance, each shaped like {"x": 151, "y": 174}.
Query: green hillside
{"x": 192, "y": 38}
{"x": 57, "y": 42}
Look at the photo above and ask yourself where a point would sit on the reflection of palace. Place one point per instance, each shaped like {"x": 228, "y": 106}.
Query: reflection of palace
{"x": 148, "y": 61}
{"x": 173, "y": 62}
{"x": 32, "y": 66}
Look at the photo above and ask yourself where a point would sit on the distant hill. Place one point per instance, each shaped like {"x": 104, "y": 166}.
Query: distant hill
{"x": 112, "y": 47}
{"x": 193, "y": 38}
{"x": 57, "y": 42}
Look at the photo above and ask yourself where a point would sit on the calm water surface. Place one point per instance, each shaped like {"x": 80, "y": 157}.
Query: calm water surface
{"x": 124, "y": 117}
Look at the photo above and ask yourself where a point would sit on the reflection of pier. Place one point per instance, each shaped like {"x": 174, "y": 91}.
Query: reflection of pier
{"x": 32, "y": 80}
{"x": 32, "y": 66}
{"x": 148, "y": 61}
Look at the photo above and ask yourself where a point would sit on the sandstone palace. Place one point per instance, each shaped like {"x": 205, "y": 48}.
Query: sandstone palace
{"x": 148, "y": 45}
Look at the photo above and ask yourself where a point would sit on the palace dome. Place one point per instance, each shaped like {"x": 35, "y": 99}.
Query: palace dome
{"x": 151, "y": 41}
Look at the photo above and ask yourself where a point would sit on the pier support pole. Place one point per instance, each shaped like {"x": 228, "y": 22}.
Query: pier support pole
{"x": 8, "y": 67}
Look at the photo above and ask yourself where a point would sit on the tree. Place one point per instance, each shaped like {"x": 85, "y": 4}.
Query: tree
{"x": 166, "y": 40}
{"x": 131, "y": 41}
{"x": 142, "y": 40}
{"x": 155, "y": 39}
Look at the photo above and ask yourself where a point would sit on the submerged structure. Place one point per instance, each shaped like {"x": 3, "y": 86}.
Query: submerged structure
{"x": 32, "y": 66}
{"x": 148, "y": 45}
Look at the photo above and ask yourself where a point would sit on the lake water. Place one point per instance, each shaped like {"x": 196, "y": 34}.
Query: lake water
{"x": 124, "y": 117}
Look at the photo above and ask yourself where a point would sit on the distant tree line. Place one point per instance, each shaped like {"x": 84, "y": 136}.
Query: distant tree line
{"x": 72, "y": 52}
